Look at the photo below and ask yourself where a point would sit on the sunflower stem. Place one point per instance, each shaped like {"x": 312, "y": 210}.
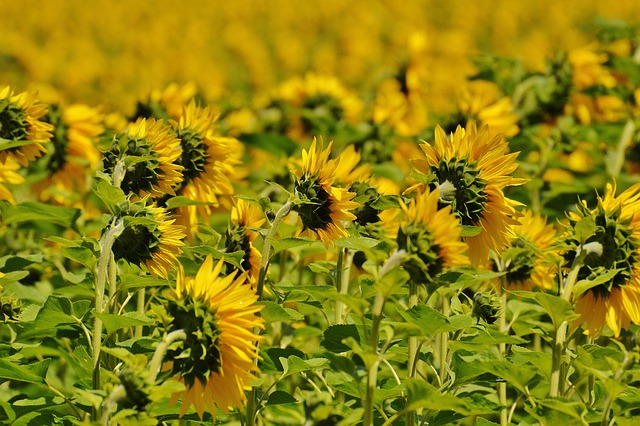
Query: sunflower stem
{"x": 372, "y": 372}
{"x": 118, "y": 393}
{"x": 140, "y": 308}
{"x": 156, "y": 362}
{"x": 343, "y": 269}
{"x": 106, "y": 244}
{"x": 626, "y": 139}
{"x": 266, "y": 248}
{"x": 413, "y": 350}
{"x": 444, "y": 339}
{"x": 502, "y": 386}
{"x": 557, "y": 381}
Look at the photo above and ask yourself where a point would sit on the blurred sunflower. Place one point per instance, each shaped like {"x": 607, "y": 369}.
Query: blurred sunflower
{"x": 616, "y": 223}
{"x": 526, "y": 261}
{"x": 472, "y": 169}
{"x": 431, "y": 238}
{"x": 481, "y": 100}
{"x": 321, "y": 206}
{"x": 216, "y": 361}
{"x": 167, "y": 103}
{"x": 22, "y": 133}
{"x": 207, "y": 162}
{"x": 149, "y": 151}
{"x": 239, "y": 236}
{"x": 323, "y": 102}
{"x": 73, "y": 152}
{"x": 149, "y": 238}
{"x": 8, "y": 174}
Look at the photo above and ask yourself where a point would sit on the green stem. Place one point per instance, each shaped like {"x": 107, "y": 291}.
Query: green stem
{"x": 101, "y": 277}
{"x": 140, "y": 304}
{"x": 502, "y": 386}
{"x": 444, "y": 339}
{"x": 158, "y": 356}
{"x": 413, "y": 350}
{"x": 626, "y": 139}
{"x": 372, "y": 373}
{"x": 118, "y": 393}
{"x": 343, "y": 272}
{"x": 557, "y": 381}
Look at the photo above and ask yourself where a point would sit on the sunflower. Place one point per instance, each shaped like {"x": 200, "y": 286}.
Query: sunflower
{"x": 167, "y": 103}
{"x": 8, "y": 174}
{"x": 216, "y": 362}
{"x": 472, "y": 169}
{"x": 588, "y": 65}
{"x": 149, "y": 238}
{"x": 431, "y": 237}
{"x": 322, "y": 102}
{"x": 616, "y": 227}
{"x": 207, "y": 160}
{"x": 150, "y": 153}
{"x": 73, "y": 153}
{"x": 321, "y": 206}
{"x": 527, "y": 260}
{"x": 482, "y": 101}
{"x": 244, "y": 216}
{"x": 22, "y": 133}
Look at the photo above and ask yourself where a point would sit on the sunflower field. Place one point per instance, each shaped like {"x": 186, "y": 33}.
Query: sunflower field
{"x": 359, "y": 212}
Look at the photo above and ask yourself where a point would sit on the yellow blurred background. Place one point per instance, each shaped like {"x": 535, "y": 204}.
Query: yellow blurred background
{"x": 115, "y": 52}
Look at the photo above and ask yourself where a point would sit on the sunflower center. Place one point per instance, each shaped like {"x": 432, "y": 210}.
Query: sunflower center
{"x": 194, "y": 154}
{"x": 455, "y": 120}
{"x": 423, "y": 259}
{"x": 366, "y": 213}
{"x": 618, "y": 253}
{"x": 521, "y": 261}
{"x": 136, "y": 244}
{"x": 140, "y": 174}
{"x": 469, "y": 198}
{"x": 199, "y": 355}
{"x": 315, "y": 211}
{"x": 59, "y": 140}
{"x": 13, "y": 122}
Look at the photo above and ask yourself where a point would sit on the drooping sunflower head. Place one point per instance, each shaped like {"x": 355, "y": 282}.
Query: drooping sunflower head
{"x": 165, "y": 104}
{"x": 482, "y": 101}
{"x": 471, "y": 169}
{"x": 321, "y": 206}
{"x": 245, "y": 217}
{"x": 613, "y": 228}
{"x": 73, "y": 154}
{"x": 530, "y": 260}
{"x": 431, "y": 238}
{"x": 22, "y": 133}
{"x": 149, "y": 238}
{"x": 216, "y": 361}
{"x": 148, "y": 152}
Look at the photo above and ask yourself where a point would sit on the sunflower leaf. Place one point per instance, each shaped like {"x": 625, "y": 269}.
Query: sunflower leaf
{"x": 357, "y": 243}
{"x": 110, "y": 195}
{"x": 583, "y": 285}
{"x": 272, "y": 312}
{"x": 181, "y": 201}
{"x": 470, "y": 230}
{"x": 29, "y": 373}
{"x": 280, "y": 397}
{"x": 558, "y": 309}
{"x": 114, "y": 322}
{"x": 270, "y": 142}
{"x": 38, "y": 212}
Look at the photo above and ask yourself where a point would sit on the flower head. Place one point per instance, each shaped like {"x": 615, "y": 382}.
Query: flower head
{"x": 216, "y": 361}
{"x": 240, "y": 236}
{"x": 430, "y": 237}
{"x": 472, "y": 169}
{"x": 615, "y": 225}
{"x": 321, "y": 206}
{"x": 149, "y": 152}
{"x": 22, "y": 133}
{"x": 149, "y": 238}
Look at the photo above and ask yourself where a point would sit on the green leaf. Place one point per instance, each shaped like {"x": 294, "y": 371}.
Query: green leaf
{"x": 424, "y": 395}
{"x": 357, "y": 243}
{"x": 132, "y": 281}
{"x": 270, "y": 142}
{"x": 280, "y": 397}
{"x": 12, "y": 143}
{"x": 234, "y": 258}
{"x": 40, "y": 212}
{"x": 276, "y": 355}
{"x": 56, "y": 311}
{"x": 12, "y": 263}
{"x": 29, "y": 373}
{"x": 113, "y": 322}
{"x": 273, "y": 312}
{"x": 539, "y": 360}
{"x": 429, "y": 322}
{"x": 288, "y": 243}
{"x": 82, "y": 255}
{"x": 110, "y": 195}
{"x": 181, "y": 201}
{"x": 558, "y": 309}
{"x": 294, "y": 364}
{"x": 583, "y": 285}
{"x": 334, "y": 335}
{"x": 470, "y": 230}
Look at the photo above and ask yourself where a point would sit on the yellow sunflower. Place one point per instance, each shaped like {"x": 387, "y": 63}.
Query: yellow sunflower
{"x": 167, "y": 103}
{"x": 527, "y": 260}
{"x": 155, "y": 176}
{"x": 208, "y": 163}
{"x": 8, "y": 174}
{"x": 73, "y": 154}
{"x": 22, "y": 133}
{"x": 482, "y": 101}
{"x": 616, "y": 302}
{"x": 244, "y": 216}
{"x": 472, "y": 169}
{"x": 216, "y": 362}
{"x": 321, "y": 206}
{"x": 149, "y": 238}
{"x": 431, "y": 237}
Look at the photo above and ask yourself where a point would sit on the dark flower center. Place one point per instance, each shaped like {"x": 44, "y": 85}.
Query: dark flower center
{"x": 141, "y": 173}
{"x": 236, "y": 239}
{"x": 194, "y": 154}
{"x": 59, "y": 140}
{"x": 13, "y": 122}
{"x": 423, "y": 260}
{"x": 469, "y": 198}
{"x": 315, "y": 211}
